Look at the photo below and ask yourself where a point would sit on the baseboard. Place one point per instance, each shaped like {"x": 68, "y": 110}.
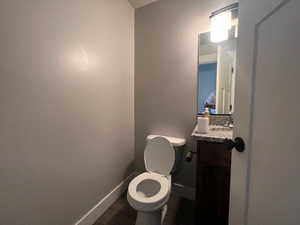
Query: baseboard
{"x": 184, "y": 191}
{"x": 91, "y": 216}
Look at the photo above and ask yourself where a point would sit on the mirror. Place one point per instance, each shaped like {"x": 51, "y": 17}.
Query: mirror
{"x": 216, "y": 74}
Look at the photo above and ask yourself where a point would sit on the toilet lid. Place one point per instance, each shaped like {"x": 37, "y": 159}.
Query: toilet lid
{"x": 159, "y": 156}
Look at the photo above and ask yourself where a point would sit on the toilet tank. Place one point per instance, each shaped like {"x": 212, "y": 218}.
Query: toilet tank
{"x": 178, "y": 145}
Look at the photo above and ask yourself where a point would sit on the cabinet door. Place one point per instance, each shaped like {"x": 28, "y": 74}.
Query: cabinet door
{"x": 213, "y": 184}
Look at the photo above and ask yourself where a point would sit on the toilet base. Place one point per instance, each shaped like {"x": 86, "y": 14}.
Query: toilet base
{"x": 151, "y": 218}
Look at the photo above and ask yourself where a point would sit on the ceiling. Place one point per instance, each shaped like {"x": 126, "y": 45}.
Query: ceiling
{"x": 140, "y": 3}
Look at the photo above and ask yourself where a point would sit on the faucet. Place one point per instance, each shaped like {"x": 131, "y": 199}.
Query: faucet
{"x": 229, "y": 122}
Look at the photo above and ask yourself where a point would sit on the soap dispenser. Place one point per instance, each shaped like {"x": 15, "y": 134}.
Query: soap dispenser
{"x": 206, "y": 113}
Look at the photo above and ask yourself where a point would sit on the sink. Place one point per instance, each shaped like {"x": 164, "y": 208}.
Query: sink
{"x": 220, "y": 128}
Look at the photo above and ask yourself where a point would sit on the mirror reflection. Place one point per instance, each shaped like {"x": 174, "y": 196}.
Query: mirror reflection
{"x": 216, "y": 75}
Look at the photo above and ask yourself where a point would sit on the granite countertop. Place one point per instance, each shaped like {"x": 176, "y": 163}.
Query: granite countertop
{"x": 214, "y": 135}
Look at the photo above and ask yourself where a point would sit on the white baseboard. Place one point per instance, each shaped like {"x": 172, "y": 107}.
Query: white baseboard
{"x": 91, "y": 216}
{"x": 184, "y": 191}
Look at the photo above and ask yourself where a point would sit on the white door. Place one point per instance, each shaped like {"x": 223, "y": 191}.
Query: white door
{"x": 265, "y": 181}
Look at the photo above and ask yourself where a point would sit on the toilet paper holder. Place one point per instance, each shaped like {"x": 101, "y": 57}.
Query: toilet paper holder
{"x": 189, "y": 156}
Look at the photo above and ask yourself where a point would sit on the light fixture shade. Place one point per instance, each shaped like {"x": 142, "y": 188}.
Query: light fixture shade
{"x": 220, "y": 26}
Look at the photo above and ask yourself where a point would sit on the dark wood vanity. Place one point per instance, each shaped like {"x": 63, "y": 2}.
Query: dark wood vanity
{"x": 213, "y": 179}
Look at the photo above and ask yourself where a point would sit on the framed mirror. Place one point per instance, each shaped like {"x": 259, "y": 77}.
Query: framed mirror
{"x": 216, "y": 74}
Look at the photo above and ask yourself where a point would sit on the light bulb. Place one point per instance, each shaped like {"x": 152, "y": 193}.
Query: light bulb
{"x": 220, "y": 26}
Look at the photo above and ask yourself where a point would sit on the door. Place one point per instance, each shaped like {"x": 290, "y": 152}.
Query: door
{"x": 265, "y": 180}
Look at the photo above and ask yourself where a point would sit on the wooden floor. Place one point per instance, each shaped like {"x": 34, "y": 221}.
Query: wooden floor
{"x": 180, "y": 212}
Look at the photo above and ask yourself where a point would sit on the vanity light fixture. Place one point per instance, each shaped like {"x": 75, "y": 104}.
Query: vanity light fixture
{"x": 221, "y": 22}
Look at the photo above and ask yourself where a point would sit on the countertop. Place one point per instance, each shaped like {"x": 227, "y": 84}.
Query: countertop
{"x": 218, "y": 136}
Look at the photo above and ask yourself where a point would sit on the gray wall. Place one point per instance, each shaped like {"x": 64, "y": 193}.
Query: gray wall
{"x": 166, "y": 39}
{"x": 66, "y": 115}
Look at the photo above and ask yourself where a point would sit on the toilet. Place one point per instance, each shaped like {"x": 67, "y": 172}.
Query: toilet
{"x": 149, "y": 192}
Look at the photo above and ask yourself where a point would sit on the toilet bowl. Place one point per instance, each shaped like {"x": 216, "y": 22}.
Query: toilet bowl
{"x": 149, "y": 192}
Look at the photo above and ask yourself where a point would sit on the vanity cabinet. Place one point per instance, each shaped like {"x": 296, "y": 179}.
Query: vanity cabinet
{"x": 213, "y": 183}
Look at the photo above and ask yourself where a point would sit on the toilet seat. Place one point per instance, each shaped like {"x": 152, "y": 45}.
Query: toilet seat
{"x": 150, "y": 191}
{"x": 163, "y": 191}
{"x": 159, "y": 156}
{"x": 143, "y": 203}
